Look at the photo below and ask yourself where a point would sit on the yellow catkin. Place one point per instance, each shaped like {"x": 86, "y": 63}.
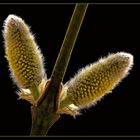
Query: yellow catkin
{"x": 96, "y": 80}
{"x": 23, "y": 55}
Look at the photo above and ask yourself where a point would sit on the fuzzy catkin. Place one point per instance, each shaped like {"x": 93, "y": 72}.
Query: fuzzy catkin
{"x": 97, "y": 79}
{"x": 23, "y": 55}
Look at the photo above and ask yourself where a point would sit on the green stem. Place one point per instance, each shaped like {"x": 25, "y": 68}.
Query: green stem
{"x": 68, "y": 43}
{"x": 45, "y": 115}
{"x": 35, "y": 92}
{"x": 66, "y": 102}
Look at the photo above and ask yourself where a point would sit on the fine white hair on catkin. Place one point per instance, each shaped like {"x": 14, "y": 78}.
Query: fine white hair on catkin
{"x": 25, "y": 59}
{"x": 94, "y": 81}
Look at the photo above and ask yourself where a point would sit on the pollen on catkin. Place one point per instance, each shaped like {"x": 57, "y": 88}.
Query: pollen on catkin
{"x": 96, "y": 80}
{"x": 23, "y": 55}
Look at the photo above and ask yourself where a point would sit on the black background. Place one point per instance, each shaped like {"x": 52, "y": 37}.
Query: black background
{"x": 105, "y": 29}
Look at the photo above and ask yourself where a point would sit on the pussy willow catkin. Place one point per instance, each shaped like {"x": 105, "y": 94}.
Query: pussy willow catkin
{"x": 23, "y": 55}
{"x": 96, "y": 80}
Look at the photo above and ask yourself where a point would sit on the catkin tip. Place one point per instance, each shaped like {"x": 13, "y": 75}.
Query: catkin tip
{"x": 11, "y": 21}
{"x": 127, "y": 57}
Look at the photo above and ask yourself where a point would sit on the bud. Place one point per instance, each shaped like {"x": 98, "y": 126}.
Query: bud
{"x": 94, "y": 81}
{"x": 23, "y": 55}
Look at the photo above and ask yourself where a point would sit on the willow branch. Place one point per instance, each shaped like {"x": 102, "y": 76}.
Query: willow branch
{"x": 44, "y": 115}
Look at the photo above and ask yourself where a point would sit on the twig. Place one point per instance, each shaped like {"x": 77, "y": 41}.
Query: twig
{"x": 44, "y": 115}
